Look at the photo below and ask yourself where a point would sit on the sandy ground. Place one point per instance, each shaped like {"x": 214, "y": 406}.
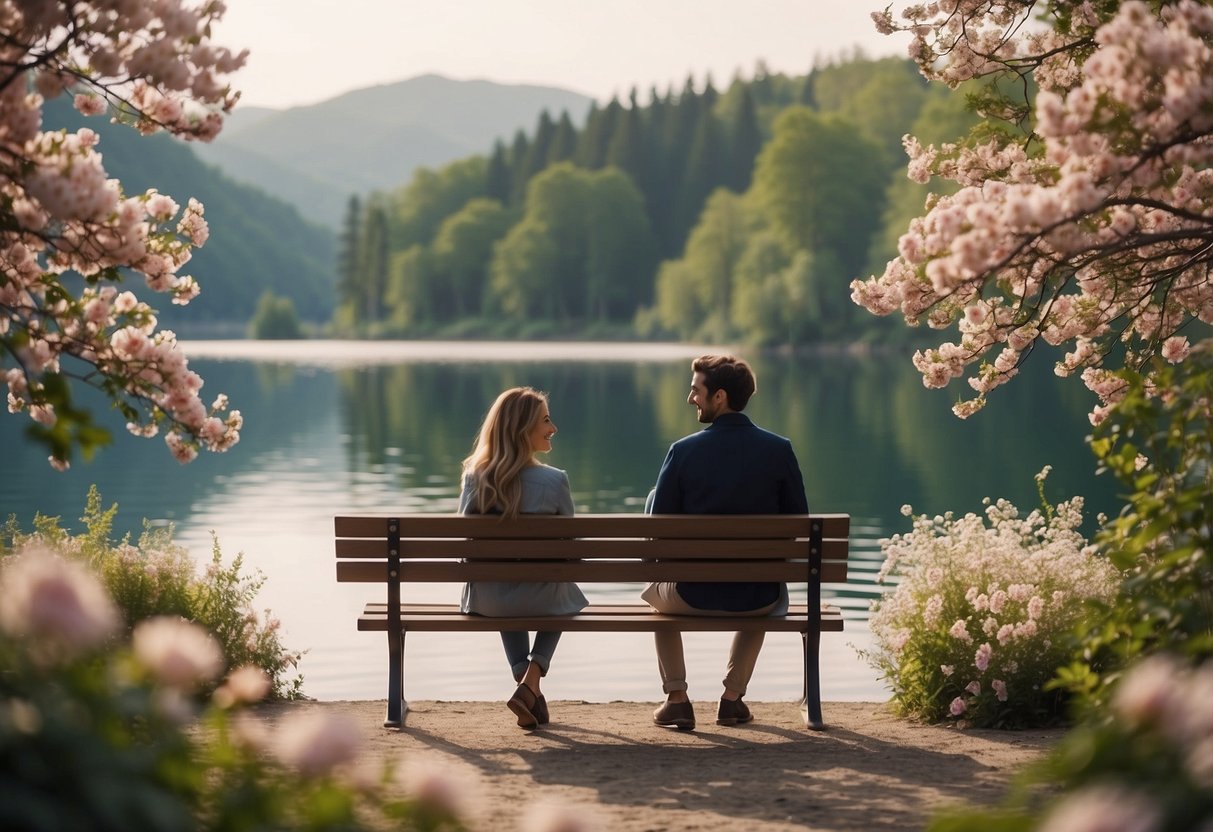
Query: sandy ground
{"x": 609, "y": 764}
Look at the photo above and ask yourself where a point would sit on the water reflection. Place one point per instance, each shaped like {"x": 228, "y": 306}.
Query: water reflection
{"x": 388, "y": 437}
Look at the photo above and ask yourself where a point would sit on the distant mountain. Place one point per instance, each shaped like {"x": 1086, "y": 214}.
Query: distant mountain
{"x": 257, "y": 241}
{"x": 316, "y": 156}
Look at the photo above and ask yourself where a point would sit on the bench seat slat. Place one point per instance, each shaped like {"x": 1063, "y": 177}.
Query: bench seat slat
{"x": 587, "y": 571}
{"x": 681, "y": 526}
{"x": 617, "y": 618}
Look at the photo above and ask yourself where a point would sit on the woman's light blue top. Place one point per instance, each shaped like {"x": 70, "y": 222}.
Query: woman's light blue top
{"x": 545, "y": 490}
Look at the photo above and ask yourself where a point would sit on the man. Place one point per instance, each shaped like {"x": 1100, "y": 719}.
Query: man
{"x": 730, "y": 467}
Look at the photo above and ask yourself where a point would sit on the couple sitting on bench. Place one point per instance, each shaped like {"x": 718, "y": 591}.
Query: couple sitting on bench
{"x": 730, "y": 467}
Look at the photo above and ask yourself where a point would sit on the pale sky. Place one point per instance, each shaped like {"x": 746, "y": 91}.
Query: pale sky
{"x": 305, "y": 51}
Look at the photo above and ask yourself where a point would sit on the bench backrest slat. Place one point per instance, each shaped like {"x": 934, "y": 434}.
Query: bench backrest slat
{"x": 681, "y": 526}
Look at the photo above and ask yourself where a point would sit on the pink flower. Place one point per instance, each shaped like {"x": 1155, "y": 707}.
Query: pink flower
{"x": 316, "y": 743}
{"x": 247, "y": 683}
{"x": 178, "y": 653}
{"x": 49, "y": 599}
{"x": 431, "y": 782}
{"x": 89, "y": 105}
{"x": 973, "y": 687}
{"x": 947, "y": 669}
{"x": 982, "y": 659}
{"x": 1104, "y": 809}
{"x": 1175, "y": 349}
{"x": 1148, "y": 694}
{"x": 551, "y": 817}
{"x": 957, "y": 707}
{"x": 1000, "y": 689}
{"x": 960, "y": 630}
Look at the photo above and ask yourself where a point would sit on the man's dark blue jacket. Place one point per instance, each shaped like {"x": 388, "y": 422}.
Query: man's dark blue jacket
{"x": 730, "y": 467}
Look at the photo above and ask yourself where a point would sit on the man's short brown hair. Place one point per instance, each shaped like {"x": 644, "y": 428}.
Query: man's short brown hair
{"x": 727, "y": 373}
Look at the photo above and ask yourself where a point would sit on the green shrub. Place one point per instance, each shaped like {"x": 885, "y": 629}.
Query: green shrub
{"x": 1158, "y": 441}
{"x": 158, "y": 577}
{"x": 981, "y": 615}
{"x": 275, "y": 319}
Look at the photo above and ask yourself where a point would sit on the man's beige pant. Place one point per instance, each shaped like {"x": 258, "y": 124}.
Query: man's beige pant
{"x": 743, "y": 655}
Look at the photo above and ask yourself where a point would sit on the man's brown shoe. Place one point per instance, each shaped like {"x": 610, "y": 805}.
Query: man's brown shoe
{"x": 678, "y": 715}
{"x": 733, "y": 712}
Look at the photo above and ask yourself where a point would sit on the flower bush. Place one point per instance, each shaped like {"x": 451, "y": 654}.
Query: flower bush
{"x": 157, "y": 577}
{"x": 981, "y": 614}
{"x": 101, "y": 733}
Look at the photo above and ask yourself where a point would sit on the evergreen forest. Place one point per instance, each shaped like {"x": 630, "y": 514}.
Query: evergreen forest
{"x": 699, "y": 214}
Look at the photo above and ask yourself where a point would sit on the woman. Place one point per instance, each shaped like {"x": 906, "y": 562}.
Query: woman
{"x": 502, "y": 476}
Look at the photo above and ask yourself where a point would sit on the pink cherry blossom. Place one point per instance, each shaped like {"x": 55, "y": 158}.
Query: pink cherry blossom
{"x": 155, "y": 66}
{"x": 1088, "y": 241}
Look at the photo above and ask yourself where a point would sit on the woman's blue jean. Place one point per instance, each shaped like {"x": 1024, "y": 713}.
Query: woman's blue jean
{"x": 520, "y": 653}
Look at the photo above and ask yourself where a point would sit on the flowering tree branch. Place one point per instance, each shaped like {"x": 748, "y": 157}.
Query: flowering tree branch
{"x": 70, "y": 236}
{"x": 1089, "y": 227}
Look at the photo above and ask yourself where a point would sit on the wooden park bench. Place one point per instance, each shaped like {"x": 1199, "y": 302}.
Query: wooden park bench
{"x": 593, "y": 548}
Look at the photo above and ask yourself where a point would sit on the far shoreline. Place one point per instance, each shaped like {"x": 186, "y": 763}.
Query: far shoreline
{"x": 367, "y": 352}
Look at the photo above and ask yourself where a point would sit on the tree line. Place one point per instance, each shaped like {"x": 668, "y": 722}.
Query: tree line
{"x": 697, "y": 215}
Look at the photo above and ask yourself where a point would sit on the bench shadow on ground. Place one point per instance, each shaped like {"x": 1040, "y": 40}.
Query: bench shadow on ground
{"x": 840, "y": 778}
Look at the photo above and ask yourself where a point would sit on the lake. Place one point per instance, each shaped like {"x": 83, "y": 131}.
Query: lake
{"x": 381, "y": 427}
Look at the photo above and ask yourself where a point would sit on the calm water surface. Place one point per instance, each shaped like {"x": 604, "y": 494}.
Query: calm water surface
{"x": 334, "y": 428}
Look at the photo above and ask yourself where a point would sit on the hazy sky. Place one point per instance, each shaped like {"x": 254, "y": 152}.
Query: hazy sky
{"x": 304, "y": 51}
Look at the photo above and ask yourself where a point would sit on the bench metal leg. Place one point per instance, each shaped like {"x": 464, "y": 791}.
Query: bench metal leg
{"x": 397, "y": 706}
{"x": 810, "y": 706}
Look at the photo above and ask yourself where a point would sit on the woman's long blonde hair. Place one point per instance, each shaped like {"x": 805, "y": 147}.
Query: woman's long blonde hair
{"x": 503, "y": 449}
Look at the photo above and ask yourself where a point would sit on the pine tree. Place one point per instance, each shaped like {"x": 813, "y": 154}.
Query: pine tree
{"x": 808, "y": 93}
{"x": 564, "y": 143}
{"x": 518, "y": 153}
{"x": 349, "y": 254}
{"x": 498, "y": 177}
{"x": 705, "y": 171}
{"x": 536, "y": 158}
{"x": 375, "y": 254}
{"x": 596, "y": 138}
{"x": 626, "y": 150}
{"x": 745, "y": 141}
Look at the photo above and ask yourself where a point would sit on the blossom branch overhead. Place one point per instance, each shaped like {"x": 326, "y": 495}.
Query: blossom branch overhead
{"x": 151, "y": 65}
{"x": 1092, "y": 229}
